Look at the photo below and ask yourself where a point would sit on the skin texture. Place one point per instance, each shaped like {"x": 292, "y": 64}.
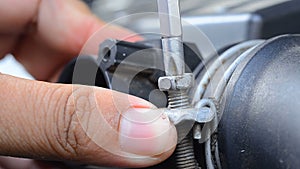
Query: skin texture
{"x": 47, "y": 121}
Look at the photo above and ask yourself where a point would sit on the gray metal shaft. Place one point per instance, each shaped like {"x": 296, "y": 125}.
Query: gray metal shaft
{"x": 171, "y": 30}
{"x": 170, "y": 19}
{"x": 173, "y": 56}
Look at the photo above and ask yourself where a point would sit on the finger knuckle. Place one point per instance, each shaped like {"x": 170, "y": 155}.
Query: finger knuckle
{"x": 72, "y": 137}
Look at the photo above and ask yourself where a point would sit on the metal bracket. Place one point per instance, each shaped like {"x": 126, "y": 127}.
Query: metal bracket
{"x": 204, "y": 113}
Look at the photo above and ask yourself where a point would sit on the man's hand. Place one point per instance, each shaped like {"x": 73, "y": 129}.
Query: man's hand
{"x": 45, "y": 35}
{"x": 67, "y": 122}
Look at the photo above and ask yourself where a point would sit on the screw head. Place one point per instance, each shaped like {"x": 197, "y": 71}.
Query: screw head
{"x": 165, "y": 83}
{"x": 182, "y": 82}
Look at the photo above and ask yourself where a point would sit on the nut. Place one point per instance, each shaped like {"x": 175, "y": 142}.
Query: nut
{"x": 166, "y": 83}
{"x": 183, "y": 82}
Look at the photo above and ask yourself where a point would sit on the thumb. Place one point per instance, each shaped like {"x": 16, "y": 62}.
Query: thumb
{"x": 79, "y": 123}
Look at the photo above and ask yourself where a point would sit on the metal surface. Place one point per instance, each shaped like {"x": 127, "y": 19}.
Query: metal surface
{"x": 171, "y": 33}
{"x": 204, "y": 113}
{"x": 218, "y": 64}
{"x": 170, "y": 19}
{"x": 184, "y": 82}
{"x": 173, "y": 54}
{"x": 185, "y": 157}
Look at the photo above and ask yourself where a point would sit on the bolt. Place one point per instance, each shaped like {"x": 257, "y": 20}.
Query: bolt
{"x": 165, "y": 83}
{"x": 183, "y": 82}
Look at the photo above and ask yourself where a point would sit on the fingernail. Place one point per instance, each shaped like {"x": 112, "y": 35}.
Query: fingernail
{"x": 136, "y": 102}
{"x": 146, "y": 132}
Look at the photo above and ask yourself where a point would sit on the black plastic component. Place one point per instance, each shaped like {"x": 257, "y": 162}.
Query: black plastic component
{"x": 261, "y": 120}
{"x": 148, "y": 53}
{"x": 86, "y": 70}
{"x": 145, "y": 68}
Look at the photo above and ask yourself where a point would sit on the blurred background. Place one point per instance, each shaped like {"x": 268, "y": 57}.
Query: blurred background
{"x": 210, "y": 24}
{"x": 224, "y": 22}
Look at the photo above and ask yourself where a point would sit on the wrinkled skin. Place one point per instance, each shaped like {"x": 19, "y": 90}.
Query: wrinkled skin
{"x": 44, "y": 35}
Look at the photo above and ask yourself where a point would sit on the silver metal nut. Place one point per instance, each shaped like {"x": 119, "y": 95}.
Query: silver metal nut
{"x": 166, "y": 83}
{"x": 183, "y": 82}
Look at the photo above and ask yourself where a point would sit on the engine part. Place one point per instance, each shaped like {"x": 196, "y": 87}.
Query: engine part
{"x": 256, "y": 92}
{"x": 216, "y": 78}
{"x": 249, "y": 88}
{"x": 261, "y": 114}
{"x": 255, "y": 86}
{"x": 117, "y": 67}
{"x": 176, "y": 82}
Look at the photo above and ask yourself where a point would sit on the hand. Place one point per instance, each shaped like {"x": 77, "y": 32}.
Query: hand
{"x": 48, "y": 121}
